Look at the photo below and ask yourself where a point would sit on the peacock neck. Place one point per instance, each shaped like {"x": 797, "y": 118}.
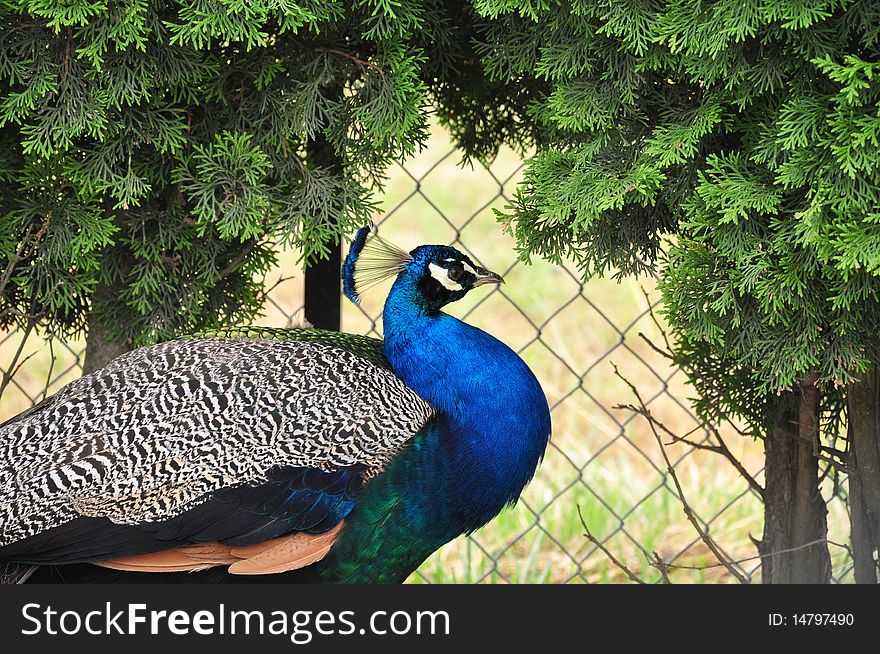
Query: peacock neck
{"x": 498, "y": 421}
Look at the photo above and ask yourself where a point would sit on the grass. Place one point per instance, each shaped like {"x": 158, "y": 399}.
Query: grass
{"x": 601, "y": 459}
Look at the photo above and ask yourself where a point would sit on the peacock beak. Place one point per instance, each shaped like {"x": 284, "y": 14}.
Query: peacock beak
{"x": 487, "y": 277}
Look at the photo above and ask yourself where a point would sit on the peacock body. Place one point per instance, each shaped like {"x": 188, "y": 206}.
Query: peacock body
{"x": 309, "y": 454}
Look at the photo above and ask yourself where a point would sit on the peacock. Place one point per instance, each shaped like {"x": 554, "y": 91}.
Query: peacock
{"x": 298, "y": 455}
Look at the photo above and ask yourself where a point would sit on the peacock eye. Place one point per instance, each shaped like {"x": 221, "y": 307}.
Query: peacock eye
{"x": 456, "y": 272}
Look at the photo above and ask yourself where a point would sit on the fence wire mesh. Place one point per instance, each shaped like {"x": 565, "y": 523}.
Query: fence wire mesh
{"x": 604, "y": 464}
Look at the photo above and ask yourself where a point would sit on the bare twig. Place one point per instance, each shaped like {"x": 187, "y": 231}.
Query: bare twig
{"x": 662, "y": 567}
{"x": 347, "y": 55}
{"x": 15, "y": 365}
{"x": 23, "y": 26}
{"x": 660, "y": 328}
{"x": 264, "y": 294}
{"x": 26, "y": 242}
{"x": 595, "y": 541}
{"x": 51, "y": 365}
{"x": 769, "y": 555}
{"x": 666, "y": 354}
{"x": 688, "y": 511}
{"x": 236, "y": 262}
{"x": 13, "y": 261}
{"x": 721, "y": 448}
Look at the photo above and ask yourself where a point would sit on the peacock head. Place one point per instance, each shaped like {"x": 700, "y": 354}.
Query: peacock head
{"x": 445, "y": 274}
{"x": 440, "y": 273}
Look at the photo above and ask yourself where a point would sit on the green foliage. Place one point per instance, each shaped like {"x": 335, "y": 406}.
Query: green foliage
{"x": 730, "y": 146}
{"x": 160, "y": 149}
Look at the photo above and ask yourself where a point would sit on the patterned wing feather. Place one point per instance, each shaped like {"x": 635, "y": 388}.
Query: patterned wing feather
{"x": 161, "y": 429}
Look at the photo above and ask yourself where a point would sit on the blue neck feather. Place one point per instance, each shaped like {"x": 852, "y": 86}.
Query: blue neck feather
{"x": 497, "y": 415}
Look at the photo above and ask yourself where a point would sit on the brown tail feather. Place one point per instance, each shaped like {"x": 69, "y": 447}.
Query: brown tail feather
{"x": 272, "y": 556}
{"x": 212, "y": 552}
{"x": 287, "y": 553}
{"x": 172, "y": 560}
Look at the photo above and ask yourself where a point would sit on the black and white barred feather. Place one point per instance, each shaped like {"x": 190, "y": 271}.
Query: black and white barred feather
{"x": 161, "y": 428}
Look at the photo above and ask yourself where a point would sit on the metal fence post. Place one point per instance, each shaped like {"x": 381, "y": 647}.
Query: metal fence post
{"x": 322, "y": 297}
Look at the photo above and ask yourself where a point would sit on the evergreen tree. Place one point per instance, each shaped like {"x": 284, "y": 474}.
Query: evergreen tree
{"x": 153, "y": 154}
{"x": 744, "y": 136}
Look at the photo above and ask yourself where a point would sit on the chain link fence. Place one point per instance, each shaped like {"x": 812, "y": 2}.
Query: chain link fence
{"x": 605, "y": 470}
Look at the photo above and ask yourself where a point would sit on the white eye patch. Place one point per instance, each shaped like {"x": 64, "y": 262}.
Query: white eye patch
{"x": 442, "y": 275}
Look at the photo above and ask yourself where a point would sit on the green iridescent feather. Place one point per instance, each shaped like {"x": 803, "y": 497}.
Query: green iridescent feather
{"x": 366, "y": 347}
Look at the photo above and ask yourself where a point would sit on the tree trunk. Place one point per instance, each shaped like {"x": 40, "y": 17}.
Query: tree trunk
{"x": 101, "y": 349}
{"x": 794, "y": 511}
{"x": 863, "y": 405}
